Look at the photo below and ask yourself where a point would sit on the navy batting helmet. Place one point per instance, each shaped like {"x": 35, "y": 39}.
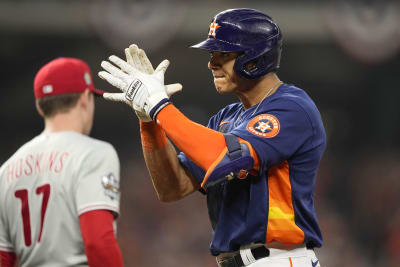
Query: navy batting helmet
{"x": 251, "y": 32}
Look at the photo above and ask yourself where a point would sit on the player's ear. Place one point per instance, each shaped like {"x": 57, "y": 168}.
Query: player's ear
{"x": 85, "y": 98}
{"x": 39, "y": 110}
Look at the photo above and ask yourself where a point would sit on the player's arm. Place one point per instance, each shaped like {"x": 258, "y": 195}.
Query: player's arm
{"x": 170, "y": 180}
{"x": 7, "y": 259}
{"x": 207, "y": 148}
{"x": 98, "y": 235}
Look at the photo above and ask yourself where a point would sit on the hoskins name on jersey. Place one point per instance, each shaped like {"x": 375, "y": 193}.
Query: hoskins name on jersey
{"x": 31, "y": 164}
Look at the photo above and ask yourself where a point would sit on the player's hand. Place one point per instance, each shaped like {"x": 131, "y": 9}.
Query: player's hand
{"x": 145, "y": 93}
{"x": 138, "y": 59}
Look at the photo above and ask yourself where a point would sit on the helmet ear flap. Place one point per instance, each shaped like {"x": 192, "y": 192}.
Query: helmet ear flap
{"x": 251, "y": 65}
{"x": 259, "y": 66}
{"x": 239, "y": 66}
{"x": 251, "y": 69}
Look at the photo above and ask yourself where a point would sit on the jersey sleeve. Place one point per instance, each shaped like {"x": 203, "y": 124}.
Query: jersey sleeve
{"x": 276, "y": 131}
{"x": 98, "y": 182}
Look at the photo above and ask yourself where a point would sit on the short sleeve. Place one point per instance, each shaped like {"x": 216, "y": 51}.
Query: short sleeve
{"x": 99, "y": 180}
{"x": 277, "y": 131}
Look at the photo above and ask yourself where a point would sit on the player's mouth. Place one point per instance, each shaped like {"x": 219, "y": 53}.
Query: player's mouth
{"x": 218, "y": 76}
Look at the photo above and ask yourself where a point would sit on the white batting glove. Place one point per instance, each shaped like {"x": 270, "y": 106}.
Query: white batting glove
{"x": 146, "y": 92}
{"x": 138, "y": 59}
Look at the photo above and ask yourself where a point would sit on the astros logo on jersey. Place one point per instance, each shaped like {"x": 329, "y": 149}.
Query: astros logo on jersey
{"x": 264, "y": 125}
{"x": 213, "y": 28}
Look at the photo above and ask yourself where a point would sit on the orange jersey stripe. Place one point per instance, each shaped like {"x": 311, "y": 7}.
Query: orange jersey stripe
{"x": 281, "y": 224}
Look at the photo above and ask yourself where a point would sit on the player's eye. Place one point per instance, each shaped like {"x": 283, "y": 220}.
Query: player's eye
{"x": 221, "y": 55}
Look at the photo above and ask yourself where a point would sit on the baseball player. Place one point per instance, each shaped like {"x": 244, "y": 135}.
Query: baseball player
{"x": 257, "y": 159}
{"x": 59, "y": 193}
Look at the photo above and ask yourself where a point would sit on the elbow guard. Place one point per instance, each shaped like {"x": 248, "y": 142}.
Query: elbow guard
{"x": 234, "y": 161}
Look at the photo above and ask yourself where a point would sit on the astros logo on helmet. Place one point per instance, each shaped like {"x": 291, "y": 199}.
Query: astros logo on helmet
{"x": 213, "y": 27}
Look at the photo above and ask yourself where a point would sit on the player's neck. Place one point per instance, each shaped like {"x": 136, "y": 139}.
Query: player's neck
{"x": 261, "y": 90}
{"x": 61, "y": 122}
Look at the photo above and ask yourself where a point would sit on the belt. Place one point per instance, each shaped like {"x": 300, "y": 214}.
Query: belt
{"x": 237, "y": 261}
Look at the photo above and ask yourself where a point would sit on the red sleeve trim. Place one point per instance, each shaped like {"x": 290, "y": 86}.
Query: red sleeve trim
{"x": 7, "y": 259}
{"x": 101, "y": 246}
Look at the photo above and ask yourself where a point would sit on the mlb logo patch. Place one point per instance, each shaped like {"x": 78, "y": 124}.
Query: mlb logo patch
{"x": 87, "y": 78}
{"x": 47, "y": 89}
{"x": 110, "y": 185}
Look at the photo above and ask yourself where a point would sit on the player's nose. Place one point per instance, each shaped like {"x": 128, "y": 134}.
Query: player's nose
{"x": 213, "y": 64}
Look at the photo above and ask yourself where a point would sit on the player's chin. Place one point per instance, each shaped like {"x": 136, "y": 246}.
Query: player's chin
{"x": 220, "y": 87}
{"x": 221, "y": 90}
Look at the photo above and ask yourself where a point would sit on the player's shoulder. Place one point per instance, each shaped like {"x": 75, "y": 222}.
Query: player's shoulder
{"x": 88, "y": 145}
{"x": 94, "y": 142}
{"x": 26, "y": 146}
{"x": 16, "y": 156}
{"x": 291, "y": 104}
{"x": 290, "y": 93}
{"x": 291, "y": 98}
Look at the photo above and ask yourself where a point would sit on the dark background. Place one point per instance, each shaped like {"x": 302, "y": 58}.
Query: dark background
{"x": 345, "y": 54}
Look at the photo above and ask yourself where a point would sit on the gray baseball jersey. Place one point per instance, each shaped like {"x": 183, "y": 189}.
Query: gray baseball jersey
{"x": 45, "y": 186}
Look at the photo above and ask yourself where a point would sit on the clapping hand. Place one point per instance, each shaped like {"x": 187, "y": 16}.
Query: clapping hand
{"x": 142, "y": 86}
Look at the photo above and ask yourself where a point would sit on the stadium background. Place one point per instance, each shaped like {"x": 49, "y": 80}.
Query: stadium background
{"x": 345, "y": 54}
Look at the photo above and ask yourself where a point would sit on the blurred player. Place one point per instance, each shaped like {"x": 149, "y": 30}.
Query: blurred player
{"x": 256, "y": 161}
{"x": 59, "y": 193}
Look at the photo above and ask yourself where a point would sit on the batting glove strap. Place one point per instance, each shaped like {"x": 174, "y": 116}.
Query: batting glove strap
{"x": 158, "y": 107}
